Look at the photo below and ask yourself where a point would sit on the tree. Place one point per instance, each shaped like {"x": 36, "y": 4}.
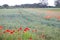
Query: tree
{"x": 57, "y": 3}
{"x": 5, "y": 6}
{"x": 0, "y": 7}
{"x": 43, "y": 3}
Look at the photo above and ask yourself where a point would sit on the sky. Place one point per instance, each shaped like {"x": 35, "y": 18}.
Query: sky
{"x": 18, "y": 2}
{"x": 51, "y": 3}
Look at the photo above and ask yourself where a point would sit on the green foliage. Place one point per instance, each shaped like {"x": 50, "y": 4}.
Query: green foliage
{"x": 15, "y": 18}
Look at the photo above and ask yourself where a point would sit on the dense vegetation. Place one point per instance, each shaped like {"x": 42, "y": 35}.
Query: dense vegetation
{"x": 30, "y": 24}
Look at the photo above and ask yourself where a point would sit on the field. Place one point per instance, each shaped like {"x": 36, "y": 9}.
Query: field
{"x": 30, "y": 24}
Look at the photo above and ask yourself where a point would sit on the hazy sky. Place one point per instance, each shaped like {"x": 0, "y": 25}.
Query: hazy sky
{"x": 51, "y": 3}
{"x": 18, "y": 2}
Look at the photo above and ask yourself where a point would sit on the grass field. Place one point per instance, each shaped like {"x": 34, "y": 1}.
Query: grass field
{"x": 30, "y": 24}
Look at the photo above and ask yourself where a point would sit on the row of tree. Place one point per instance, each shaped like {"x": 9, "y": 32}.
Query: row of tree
{"x": 39, "y": 5}
{"x": 35, "y": 5}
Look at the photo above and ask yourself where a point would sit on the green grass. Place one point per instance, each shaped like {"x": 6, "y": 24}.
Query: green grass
{"x": 32, "y": 18}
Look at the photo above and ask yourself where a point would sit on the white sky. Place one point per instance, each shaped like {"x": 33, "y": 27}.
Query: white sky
{"x": 51, "y": 3}
{"x": 18, "y": 2}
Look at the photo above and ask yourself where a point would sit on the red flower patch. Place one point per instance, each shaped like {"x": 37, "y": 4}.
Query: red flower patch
{"x": 11, "y": 32}
{"x": 1, "y": 27}
{"x": 7, "y": 30}
{"x": 26, "y": 29}
{"x": 58, "y": 17}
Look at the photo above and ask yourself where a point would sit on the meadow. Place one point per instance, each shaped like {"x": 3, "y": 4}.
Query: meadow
{"x": 30, "y": 24}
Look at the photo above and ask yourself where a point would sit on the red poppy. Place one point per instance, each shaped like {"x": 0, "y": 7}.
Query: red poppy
{"x": 20, "y": 29}
{"x": 8, "y": 30}
{"x": 58, "y": 17}
{"x": 1, "y": 27}
{"x": 11, "y": 32}
{"x": 47, "y": 17}
{"x": 26, "y": 29}
{"x": 30, "y": 38}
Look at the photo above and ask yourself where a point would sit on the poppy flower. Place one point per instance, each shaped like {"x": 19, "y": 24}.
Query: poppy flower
{"x": 26, "y": 29}
{"x": 8, "y": 30}
{"x": 20, "y": 29}
{"x": 11, "y": 32}
{"x": 1, "y": 27}
{"x": 47, "y": 17}
{"x": 30, "y": 38}
{"x": 58, "y": 17}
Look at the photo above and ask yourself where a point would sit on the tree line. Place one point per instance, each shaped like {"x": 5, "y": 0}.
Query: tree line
{"x": 35, "y": 5}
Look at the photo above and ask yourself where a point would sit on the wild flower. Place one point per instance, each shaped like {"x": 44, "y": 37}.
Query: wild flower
{"x": 11, "y": 32}
{"x": 47, "y": 17}
{"x": 20, "y": 29}
{"x": 58, "y": 17}
{"x": 1, "y": 27}
{"x": 26, "y": 29}
{"x": 8, "y": 30}
{"x": 30, "y": 38}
